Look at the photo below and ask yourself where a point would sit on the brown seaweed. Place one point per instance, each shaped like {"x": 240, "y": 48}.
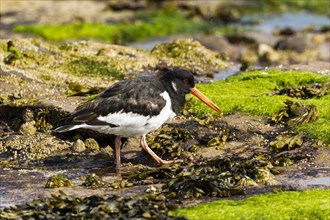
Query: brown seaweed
{"x": 295, "y": 113}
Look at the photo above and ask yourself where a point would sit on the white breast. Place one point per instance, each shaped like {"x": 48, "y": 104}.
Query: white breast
{"x": 131, "y": 124}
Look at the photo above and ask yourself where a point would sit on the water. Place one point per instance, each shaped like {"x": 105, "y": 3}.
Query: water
{"x": 295, "y": 20}
{"x": 225, "y": 73}
{"x": 324, "y": 181}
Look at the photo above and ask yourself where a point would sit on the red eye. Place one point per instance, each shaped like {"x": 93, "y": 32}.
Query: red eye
{"x": 186, "y": 81}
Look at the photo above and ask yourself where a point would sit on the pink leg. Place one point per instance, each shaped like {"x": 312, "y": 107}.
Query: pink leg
{"x": 117, "y": 147}
{"x": 159, "y": 160}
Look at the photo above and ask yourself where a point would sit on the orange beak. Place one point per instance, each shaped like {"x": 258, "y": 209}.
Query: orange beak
{"x": 204, "y": 99}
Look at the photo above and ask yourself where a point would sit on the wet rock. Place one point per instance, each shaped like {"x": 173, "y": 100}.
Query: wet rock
{"x": 298, "y": 43}
{"x": 193, "y": 10}
{"x": 28, "y": 128}
{"x": 79, "y": 146}
{"x": 248, "y": 55}
{"x": 127, "y": 5}
{"x": 262, "y": 38}
{"x": 91, "y": 143}
{"x": 325, "y": 29}
{"x": 246, "y": 66}
{"x": 241, "y": 39}
{"x": 286, "y": 31}
{"x": 267, "y": 54}
{"x": 107, "y": 151}
{"x": 219, "y": 44}
{"x": 318, "y": 39}
{"x": 31, "y": 147}
{"x": 227, "y": 14}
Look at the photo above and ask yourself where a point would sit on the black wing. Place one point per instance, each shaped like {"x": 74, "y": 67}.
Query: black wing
{"x": 139, "y": 95}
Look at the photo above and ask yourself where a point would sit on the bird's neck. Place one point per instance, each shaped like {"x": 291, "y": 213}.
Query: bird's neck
{"x": 177, "y": 99}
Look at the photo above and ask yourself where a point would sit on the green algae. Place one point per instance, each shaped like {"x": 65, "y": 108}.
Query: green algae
{"x": 149, "y": 24}
{"x": 15, "y": 54}
{"x": 309, "y": 204}
{"x": 189, "y": 54}
{"x": 85, "y": 66}
{"x": 318, "y": 130}
{"x": 249, "y": 93}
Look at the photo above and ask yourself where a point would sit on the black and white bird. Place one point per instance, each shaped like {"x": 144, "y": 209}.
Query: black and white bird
{"x": 135, "y": 107}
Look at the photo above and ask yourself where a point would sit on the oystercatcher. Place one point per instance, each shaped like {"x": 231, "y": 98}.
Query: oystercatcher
{"x": 134, "y": 107}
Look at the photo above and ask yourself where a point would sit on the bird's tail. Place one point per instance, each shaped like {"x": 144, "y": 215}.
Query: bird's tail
{"x": 64, "y": 128}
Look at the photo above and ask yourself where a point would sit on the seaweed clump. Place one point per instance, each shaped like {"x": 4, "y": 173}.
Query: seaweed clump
{"x": 304, "y": 92}
{"x": 219, "y": 177}
{"x": 286, "y": 142}
{"x": 57, "y": 182}
{"x": 169, "y": 141}
{"x": 183, "y": 139}
{"x": 295, "y": 113}
{"x": 14, "y": 54}
{"x": 62, "y": 206}
{"x": 93, "y": 181}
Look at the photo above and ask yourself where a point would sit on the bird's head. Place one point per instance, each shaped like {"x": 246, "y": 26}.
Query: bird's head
{"x": 182, "y": 82}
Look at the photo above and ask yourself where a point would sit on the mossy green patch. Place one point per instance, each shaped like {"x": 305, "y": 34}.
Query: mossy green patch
{"x": 86, "y": 66}
{"x": 250, "y": 93}
{"x": 309, "y": 204}
{"x": 189, "y": 54}
{"x": 148, "y": 24}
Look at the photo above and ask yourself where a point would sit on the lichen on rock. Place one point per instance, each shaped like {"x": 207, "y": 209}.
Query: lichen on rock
{"x": 190, "y": 54}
